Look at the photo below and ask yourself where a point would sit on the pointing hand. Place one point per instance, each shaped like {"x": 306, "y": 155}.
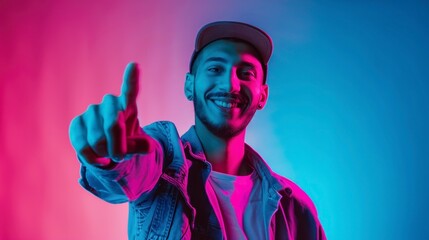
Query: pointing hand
{"x": 110, "y": 130}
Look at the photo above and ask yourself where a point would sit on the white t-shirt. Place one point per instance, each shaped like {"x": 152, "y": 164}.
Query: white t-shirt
{"x": 239, "y": 201}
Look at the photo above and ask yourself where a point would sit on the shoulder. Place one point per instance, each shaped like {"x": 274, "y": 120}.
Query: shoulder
{"x": 300, "y": 211}
{"x": 287, "y": 189}
{"x": 162, "y": 131}
{"x": 296, "y": 194}
{"x": 159, "y": 127}
{"x": 165, "y": 134}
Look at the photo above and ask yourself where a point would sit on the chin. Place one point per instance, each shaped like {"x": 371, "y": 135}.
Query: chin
{"x": 224, "y": 130}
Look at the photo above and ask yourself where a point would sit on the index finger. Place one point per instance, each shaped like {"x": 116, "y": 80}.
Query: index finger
{"x": 130, "y": 84}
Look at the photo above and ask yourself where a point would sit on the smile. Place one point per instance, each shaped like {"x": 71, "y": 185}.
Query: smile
{"x": 223, "y": 104}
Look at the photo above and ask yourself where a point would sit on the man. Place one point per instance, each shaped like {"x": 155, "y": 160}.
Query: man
{"x": 207, "y": 184}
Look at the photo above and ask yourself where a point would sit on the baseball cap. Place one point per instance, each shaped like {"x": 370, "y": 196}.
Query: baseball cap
{"x": 256, "y": 37}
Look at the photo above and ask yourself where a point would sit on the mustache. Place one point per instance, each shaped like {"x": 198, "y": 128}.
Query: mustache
{"x": 225, "y": 95}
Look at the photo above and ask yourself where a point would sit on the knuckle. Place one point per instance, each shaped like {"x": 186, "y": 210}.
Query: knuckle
{"x": 91, "y": 117}
{"x": 87, "y": 154}
{"x": 91, "y": 107}
{"x": 110, "y": 107}
{"x": 99, "y": 146}
{"x": 75, "y": 123}
{"x": 96, "y": 139}
{"x": 110, "y": 101}
{"x": 94, "y": 129}
{"x": 113, "y": 127}
{"x": 77, "y": 130}
{"x": 84, "y": 151}
{"x": 109, "y": 98}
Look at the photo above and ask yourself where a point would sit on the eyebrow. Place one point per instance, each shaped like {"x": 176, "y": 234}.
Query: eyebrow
{"x": 215, "y": 59}
{"x": 248, "y": 64}
{"x": 223, "y": 60}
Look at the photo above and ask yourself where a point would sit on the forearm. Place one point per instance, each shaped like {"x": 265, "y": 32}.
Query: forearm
{"x": 125, "y": 181}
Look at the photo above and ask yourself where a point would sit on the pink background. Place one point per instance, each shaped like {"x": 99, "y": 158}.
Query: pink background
{"x": 346, "y": 117}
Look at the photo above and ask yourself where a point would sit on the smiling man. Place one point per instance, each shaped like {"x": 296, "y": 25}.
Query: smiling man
{"x": 208, "y": 183}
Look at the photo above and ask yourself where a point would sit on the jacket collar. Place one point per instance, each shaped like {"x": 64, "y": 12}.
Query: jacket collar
{"x": 191, "y": 141}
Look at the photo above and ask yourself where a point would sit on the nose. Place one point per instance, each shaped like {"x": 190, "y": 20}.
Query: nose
{"x": 231, "y": 82}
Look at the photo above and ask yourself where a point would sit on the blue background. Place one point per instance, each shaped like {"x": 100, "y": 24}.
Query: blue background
{"x": 350, "y": 111}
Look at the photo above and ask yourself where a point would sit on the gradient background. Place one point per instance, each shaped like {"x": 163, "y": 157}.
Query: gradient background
{"x": 347, "y": 117}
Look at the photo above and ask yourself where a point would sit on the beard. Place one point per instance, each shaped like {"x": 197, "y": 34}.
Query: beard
{"x": 221, "y": 128}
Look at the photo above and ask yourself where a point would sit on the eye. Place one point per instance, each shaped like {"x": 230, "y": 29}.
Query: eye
{"x": 214, "y": 69}
{"x": 247, "y": 73}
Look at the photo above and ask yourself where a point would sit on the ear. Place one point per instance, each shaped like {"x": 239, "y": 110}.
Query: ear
{"x": 189, "y": 86}
{"x": 263, "y": 97}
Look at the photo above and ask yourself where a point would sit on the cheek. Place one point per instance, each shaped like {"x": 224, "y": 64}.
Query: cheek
{"x": 197, "y": 88}
{"x": 202, "y": 86}
{"x": 254, "y": 93}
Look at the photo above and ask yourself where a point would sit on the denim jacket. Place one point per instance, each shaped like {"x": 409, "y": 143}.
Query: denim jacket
{"x": 168, "y": 198}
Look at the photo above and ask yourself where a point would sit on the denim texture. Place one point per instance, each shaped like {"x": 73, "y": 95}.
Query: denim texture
{"x": 168, "y": 199}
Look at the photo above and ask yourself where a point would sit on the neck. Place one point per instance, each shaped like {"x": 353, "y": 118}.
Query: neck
{"x": 225, "y": 155}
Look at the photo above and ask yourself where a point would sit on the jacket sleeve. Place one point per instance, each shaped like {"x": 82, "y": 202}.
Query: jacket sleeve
{"x": 299, "y": 215}
{"x": 129, "y": 178}
{"x": 307, "y": 223}
{"x": 309, "y": 226}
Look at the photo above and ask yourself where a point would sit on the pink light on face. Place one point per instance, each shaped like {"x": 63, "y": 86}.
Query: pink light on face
{"x": 227, "y": 86}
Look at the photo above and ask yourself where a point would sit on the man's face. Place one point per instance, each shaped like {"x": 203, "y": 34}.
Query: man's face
{"x": 227, "y": 87}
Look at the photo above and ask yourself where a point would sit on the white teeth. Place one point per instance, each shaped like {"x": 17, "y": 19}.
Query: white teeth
{"x": 225, "y": 104}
